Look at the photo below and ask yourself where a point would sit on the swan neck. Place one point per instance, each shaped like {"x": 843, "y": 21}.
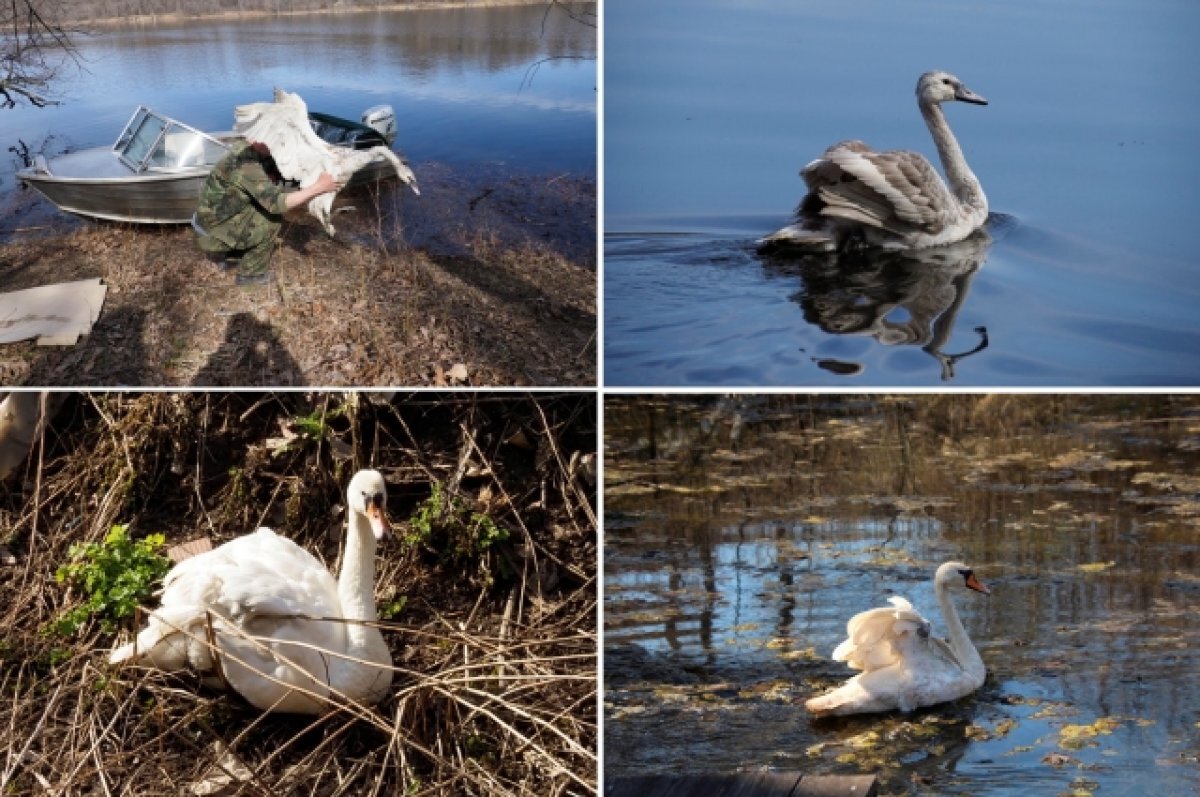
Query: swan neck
{"x": 962, "y": 180}
{"x": 356, "y": 582}
{"x": 960, "y": 643}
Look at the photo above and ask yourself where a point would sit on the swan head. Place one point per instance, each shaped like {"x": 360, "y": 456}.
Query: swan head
{"x": 938, "y": 86}
{"x": 955, "y": 574}
{"x": 367, "y": 497}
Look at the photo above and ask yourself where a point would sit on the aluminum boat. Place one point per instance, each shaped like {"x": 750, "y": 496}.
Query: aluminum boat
{"x": 155, "y": 171}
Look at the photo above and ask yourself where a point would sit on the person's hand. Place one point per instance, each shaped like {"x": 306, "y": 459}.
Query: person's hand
{"x": 322, "y": 185}
{"x": 325, "y": 183}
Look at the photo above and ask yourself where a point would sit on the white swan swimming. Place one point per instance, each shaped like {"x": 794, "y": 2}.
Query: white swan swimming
{"x": 903, "y": 665}
{"x": 255, "y": 594}
{"x": 301, "y": 155}
{"x": 893, "y": 199}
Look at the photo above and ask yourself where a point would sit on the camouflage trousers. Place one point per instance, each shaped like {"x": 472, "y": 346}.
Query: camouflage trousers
{"x": 253, "y": 242}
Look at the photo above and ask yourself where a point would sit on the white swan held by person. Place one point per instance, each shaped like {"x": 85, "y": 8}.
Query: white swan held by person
{"x": 246, "y": 613}
{"x": 895, "y": 200}
{"x": 905, "y": 667}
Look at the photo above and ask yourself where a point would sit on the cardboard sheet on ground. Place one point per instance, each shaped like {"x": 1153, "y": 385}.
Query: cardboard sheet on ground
{"x": 54, "y": 314}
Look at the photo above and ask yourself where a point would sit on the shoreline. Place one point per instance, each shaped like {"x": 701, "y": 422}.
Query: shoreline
{"x": 506, "y": 288}
{"x": 175, "y": 17}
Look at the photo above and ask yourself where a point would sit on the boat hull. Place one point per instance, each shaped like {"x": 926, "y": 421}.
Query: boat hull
{"x": 158, "y": 199}
{"x": 145, "y": 199}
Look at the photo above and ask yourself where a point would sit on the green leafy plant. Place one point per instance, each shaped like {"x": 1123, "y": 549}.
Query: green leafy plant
{"x": 392, "y": 609}
{"x": 311, "y": 426}
{"x": 301, "y": 431}
{"x": 427, "y": 515}
{"x": 115, "y": 576}
{"x": 446, "y": 521}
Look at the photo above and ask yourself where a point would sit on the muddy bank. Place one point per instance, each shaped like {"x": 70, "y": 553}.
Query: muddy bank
{"x": 485, "y": 279}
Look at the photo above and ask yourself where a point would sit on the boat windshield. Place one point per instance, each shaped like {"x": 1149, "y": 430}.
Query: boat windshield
{"x": 155, "y": 143}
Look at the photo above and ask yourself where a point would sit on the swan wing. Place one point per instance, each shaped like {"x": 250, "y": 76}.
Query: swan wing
{"x": 275, "y": 576}
{"x": 259, "y": 574}
{"x": 873, "y": 636}
{"x": 943, "y": 651}
{"x": 897, "y": 191}
{"x": 283, "y": 125}
{"x": 262, "y": 585}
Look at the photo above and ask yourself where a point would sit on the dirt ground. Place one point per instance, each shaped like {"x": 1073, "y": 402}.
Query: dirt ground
{"x": 486, "y": 278}
{"x": 493, "y": 638}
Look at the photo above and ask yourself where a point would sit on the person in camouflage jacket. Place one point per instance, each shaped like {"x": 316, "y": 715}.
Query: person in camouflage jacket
{"x": 242, "y": 207}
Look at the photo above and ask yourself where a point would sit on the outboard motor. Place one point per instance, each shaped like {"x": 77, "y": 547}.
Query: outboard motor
{"x": 382, "y": 119}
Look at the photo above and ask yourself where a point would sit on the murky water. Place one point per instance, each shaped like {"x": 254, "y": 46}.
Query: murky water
{"x": 1085, "y": 151}
{"x": 470, "y": 86}
{"x": 741, "y": 534}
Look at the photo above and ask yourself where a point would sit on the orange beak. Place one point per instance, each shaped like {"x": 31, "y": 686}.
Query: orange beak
{"x": 977, "y": 585}
{"x": 377, "y": 516}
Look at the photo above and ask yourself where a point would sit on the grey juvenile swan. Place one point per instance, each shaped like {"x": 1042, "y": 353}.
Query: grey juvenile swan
{"x": 893, "y": 199}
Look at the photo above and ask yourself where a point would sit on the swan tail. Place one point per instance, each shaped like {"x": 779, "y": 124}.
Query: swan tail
{"x": 851, "y": 697}
{"x": 168, "y": 653}
{"x": 164, "y": 645}
{"x": 123, "y": 653}
{"x": 827, "y": 704}
{"x": 151, "y": 647}
{"x": 797, "y": 238}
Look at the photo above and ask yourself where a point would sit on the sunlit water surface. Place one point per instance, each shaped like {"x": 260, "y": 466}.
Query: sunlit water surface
{"x": 508, "y": 87}
{"x": 1086, "y": 151}
{"x": 742, "y": 534}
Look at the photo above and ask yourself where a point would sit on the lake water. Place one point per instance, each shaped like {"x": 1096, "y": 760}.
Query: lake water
{"x": 741, "y": 533}
{"x": 463, "y": 82}
{"x": 1086, "y": 151}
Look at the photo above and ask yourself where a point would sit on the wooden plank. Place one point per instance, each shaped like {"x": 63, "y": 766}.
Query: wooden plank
{"x": 644, "y": 786}
{"x": 762, "y": 784}
{"x": 837, "y": 786}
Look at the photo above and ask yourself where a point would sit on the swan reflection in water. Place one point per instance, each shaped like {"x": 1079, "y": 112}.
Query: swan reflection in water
{"x": 899, "y": 298}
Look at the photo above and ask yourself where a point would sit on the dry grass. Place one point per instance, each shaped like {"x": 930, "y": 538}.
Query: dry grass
{"x": 494, "y": 689}
{"x": 495, "y": 273}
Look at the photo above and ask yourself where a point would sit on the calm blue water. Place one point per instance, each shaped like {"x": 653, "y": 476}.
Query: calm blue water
{"x": 1087, "y": 153}
{"x": 458, "y": 79}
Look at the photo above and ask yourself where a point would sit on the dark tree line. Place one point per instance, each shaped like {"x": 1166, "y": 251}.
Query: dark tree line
{"x": 94, "y": 10}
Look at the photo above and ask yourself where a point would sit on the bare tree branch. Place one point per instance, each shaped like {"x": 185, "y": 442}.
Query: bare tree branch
{"x": 582, "y": 17}
{"x": 33, "y": 52}
{"x": 587, "y": 18}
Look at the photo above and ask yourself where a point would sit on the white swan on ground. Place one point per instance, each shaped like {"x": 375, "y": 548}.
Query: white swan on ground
{"x": 301, "y": 155}
{"x": 903, "y": 665}
{"x": 893, "y": 199}
{"x": 254, "y": 594}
